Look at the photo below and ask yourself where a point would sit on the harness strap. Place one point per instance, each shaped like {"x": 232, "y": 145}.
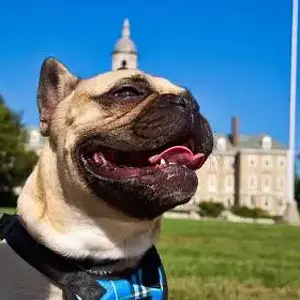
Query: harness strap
{"x": 79, "y": 279}
{"x": 76, "y": 284}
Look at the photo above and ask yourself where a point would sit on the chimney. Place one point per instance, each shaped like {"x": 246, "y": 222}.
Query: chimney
{"x": 234, "y": 131}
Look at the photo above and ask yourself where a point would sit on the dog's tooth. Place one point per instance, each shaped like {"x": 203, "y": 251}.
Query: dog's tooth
{"x": 99, "y": 159}
{"x": 163, "y": 162}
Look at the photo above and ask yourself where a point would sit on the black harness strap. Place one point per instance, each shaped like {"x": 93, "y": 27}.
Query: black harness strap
{"x": 62, "y": 271}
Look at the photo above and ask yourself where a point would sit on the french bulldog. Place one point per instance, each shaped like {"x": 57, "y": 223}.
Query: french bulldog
{"x": 122, "y": 148}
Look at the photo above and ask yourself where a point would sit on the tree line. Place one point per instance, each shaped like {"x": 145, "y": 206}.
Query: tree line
{"x": 16, "y": 162}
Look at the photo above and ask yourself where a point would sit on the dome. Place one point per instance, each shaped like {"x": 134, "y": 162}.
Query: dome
{"x": 125, "y": 44}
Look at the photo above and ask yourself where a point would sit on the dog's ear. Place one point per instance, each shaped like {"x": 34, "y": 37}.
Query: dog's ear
{"x": 56, "y": 82}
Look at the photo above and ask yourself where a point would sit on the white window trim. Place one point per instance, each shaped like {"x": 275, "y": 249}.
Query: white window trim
{"x": 280, "y": 183}
{"x": 228, "y": 201}
{"x": 253, "y": 178}
{"x": 269, "y": 159}
{"x": 267, "y": 202}
{"x": 213, "y": 161}
{"x": 252, "y": 199}
{"x": 250, "y": 159}
{"x": 229, "y": 183}
{"x": 264, "y": 187}
{"x": 281, "y": 159}
{"x": 280, "y": 203}
{"x": 229, "y": 162}
{"x": 212, "y": 182}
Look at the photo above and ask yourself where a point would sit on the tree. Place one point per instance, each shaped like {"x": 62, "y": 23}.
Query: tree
{"x": 297, "y": 188}
{"x": 297, "y": 184}
{"x": 16, "y": 162}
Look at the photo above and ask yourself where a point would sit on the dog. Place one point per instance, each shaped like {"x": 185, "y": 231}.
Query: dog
{"x": 122, "y": 148}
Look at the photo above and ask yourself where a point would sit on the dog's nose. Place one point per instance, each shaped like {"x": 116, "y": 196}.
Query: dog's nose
{"x": 176, "y": 100}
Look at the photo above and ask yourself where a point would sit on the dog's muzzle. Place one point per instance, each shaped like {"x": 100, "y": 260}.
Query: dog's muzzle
{"x": 148, "y": 166}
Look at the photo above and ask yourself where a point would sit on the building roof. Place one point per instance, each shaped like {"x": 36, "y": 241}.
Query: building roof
{"x": 248, "y": 142}
{"x": 125, "y": 44}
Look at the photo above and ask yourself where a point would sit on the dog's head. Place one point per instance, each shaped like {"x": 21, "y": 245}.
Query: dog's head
{"x": 131, "y": 139}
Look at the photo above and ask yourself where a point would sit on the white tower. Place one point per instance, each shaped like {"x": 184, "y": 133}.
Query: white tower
{"x": 125, "y": 54}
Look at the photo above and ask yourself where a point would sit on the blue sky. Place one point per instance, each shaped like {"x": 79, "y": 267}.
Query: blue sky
{"x": 233, "y": 55}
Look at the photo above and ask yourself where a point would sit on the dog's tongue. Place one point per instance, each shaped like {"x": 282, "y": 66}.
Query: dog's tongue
{"x": 179, "y": 155}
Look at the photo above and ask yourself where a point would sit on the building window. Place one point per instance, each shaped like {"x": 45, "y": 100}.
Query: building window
{"x": 213, "y": 163}
{"x": 212, "y": 183}
{"x": 280, "y": 183}
{"x": 252, "y": 182}
{"x": 229, "y": 183}
{"x": 266, "y": 142}
{"x": 267, "y": 202}
{"x": 252, "y": 201}
{"x": 266, "y": 183}
{"x": 221, "y": 144}
{"x": 252, "y": 161}
{"x": 280, "y": 202}
{"x": 123, "y": 65}
{"x": 228, "y": 201}
{"x": 280, "y": 162}
{"x": 229, "y": 162}
{"x": 267, "y": 161}
{"x": 34, "y": 137}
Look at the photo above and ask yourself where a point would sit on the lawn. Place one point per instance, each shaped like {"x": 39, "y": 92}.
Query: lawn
{"x": 225, "y": 261}
{"x": 7, "y": 210}
{"x": 217, "y": 260}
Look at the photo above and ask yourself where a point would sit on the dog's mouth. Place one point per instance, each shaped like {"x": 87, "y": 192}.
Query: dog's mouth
{"x": 115, "y": 164}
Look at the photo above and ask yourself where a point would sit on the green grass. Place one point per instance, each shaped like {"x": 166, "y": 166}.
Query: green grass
{"x": 217, "y": 260}
{"x": 7, "y": 210}
{"x": 225, "y": 261}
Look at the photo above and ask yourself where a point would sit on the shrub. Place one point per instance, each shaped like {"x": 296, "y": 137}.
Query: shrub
{"x": 211, "y": 209}
{"x": 246, "y": 212}
{"x": 16, "y": 162}
{"x": 8, "y": 199}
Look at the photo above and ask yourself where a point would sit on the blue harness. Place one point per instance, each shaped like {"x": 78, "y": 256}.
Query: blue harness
{"x": 133, "y": 288}
{"x": 84, "y": 279}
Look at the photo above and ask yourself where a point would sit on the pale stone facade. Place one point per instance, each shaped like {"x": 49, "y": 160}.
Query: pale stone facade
{"x": 251, "y": 173}
{"x": 217, "y": 179}
{"x": 35, "y": 141}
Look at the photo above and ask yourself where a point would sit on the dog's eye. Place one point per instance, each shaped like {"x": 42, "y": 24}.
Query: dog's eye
{"x": 126, "y": 92}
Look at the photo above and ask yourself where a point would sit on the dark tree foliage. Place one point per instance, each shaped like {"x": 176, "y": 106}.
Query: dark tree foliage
{"x": 16, "y": 162}
{"x": 297, "y": 183}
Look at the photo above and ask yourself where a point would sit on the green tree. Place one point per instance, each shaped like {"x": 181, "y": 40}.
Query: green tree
{"x": 297, "y": 188}
{"x": 297, "y": 183}
{"x": 16, "y": 162}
